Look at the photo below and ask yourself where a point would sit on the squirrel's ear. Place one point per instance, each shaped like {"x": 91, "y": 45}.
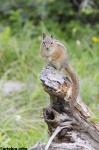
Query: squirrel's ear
{"x": 44, "y": 35}
{"x": 52, "y": 35}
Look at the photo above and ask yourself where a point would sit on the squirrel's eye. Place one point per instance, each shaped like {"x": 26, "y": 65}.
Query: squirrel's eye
{"x": 51, "y": 43}
{"x": 43, "y": 42}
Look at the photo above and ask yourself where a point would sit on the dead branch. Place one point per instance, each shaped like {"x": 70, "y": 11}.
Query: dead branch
{"x": 69, "y": 128}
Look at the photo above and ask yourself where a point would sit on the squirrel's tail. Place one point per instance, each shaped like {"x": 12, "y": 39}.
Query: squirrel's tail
{"x": 75, "y": 82}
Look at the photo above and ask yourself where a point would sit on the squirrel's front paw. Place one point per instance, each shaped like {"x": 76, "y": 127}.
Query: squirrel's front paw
{"x": 47, "y": 59}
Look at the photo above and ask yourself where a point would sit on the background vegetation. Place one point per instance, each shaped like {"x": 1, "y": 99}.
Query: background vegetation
{"x": 76, "y": 24}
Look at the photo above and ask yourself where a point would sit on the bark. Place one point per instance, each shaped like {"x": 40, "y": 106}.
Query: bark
{"x": 68, "y": 128}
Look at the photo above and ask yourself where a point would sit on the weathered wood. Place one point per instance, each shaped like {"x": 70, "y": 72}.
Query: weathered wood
{"x": 75, "y": 131}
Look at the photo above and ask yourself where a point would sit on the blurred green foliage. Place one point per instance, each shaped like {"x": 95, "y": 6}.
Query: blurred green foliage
{"x": 21, "y": 25}
{"x": 66, "y": 12}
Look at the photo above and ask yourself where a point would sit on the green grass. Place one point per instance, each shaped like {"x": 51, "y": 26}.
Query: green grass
{"x": 21, "y": 124}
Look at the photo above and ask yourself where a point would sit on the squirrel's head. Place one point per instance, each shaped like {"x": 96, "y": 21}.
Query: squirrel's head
{"x": 47, "y": 41}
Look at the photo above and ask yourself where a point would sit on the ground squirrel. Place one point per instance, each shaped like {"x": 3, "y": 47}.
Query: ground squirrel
{"x": 56, "y": 54}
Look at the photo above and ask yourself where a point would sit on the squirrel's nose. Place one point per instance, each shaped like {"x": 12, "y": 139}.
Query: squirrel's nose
{"x": 47, "y": 48}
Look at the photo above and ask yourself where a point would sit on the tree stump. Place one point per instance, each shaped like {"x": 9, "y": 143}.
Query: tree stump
{"x": 68, "y": 128}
